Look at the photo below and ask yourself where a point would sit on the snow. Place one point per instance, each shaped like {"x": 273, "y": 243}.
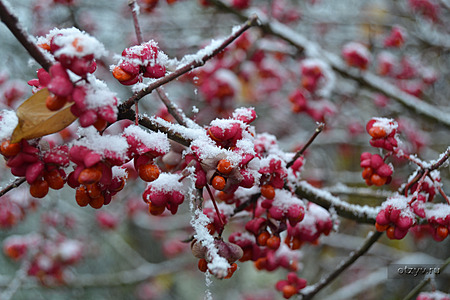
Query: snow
{"x": 327, "y": 82}
{"x": 8, "y": 122}
{"x": 69, "y": 249}
{"x": 285, "y": 199}
{"x": 99, "y": 95}
{"x": 90, "y": 138}
{"x": 359, "y": 48}
{"x": 199, "y": 56}
{"x": 167, "y": 182}
{"x": 400, "y": 202}
{"x": 387, "y": 124}
{"x": 438, "y": 211}
{"x": 153, "y": 140}
{"x": 338, "y": 204}
{"x": 74, "y": 43}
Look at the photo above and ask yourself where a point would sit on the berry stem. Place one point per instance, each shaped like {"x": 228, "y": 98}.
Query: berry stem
{"x": 222, "y": 224}
{"x": 11, "y": 21}
{"x": 171, "y": 107}
{"x": 16, "y": 183}
{"x": 133, "y": 7}
{"x": 299, "y": 153}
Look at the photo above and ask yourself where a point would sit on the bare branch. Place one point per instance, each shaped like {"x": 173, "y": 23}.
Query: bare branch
{"x": 361, "y": 214}
{"x": 171, "y": 107}
{"x": 16, "y": 183}
{"x": 313, "y": 290}
{"x": 12, "y": 22}
{"x": 318, "y": 130}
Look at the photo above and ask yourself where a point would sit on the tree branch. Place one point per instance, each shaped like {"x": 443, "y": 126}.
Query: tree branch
{"x": 13, "y": 185}
{"x": 12, "y": 22}
{"x": 362, "y": 214}
{"x": 313, "y": 290}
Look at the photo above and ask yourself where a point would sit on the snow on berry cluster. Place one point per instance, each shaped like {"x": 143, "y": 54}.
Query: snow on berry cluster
{"x": 356, "y": 55}
{"x": 396, "y": 217}
{"x": 317, "y": 82}
{"x": 41, "y": 164}
{"x": 384, "y": 135}
{"x": 435, "y": 295}
{"x": 50, "y": 257}
{"x": 70, "y": 78}
{"x": 145, "y": 60}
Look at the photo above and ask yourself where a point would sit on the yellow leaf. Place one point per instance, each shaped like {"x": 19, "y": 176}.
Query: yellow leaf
{"x": 36, "y": 120}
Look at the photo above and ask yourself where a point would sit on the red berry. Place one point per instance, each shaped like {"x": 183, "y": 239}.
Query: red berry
{"x": 93, "y": 190}
{"x": 148, "y": 172}
{"x": 262, "y": 238}
{"x": 273, "y": 242}
{"x": 100, "y": 124}
{"x": 54, "y": 102}
{"x": 121, "y": 75}
{"x": 39, "y": 188}
{"x": 81, "y": 196}
{"x": 224, "y": 166}
{"x": 218, "y": 182}
{"x": 268, "y": 191}
{"x": 289, "y": 291}
{"x": 9, "y": 149}
{"x": 377, "y": 132}
{"x": 231, "y": 270}
{"x": 378, "y": 180}
{"x": 97, "y": 202}
{"x": 203, "y": 265}
{"x": 54, "y": 179}
{"x": 381, "y": 228}
{"x": 90, "y": 176}
{"x": 390, "y": 232}
{"x": 442, "y": 232}
{"x": 155, "y": 210}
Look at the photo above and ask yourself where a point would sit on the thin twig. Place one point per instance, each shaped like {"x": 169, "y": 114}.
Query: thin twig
{"x": 299, "y": 153}
{"x": 195, "y": 63}
{"x": 133, "y": 7}
{"x": 12, "y": 185}
{"x": 171, "y": 107}
{"x": 372, "y": 239}
{"x": 12, "y": 22}
{"x": 153, "y": 125}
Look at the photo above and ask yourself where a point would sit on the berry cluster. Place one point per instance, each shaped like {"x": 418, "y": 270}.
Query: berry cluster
{"x": 435, "y": 295}
{"x": 164, "y": 192}
{"x": 376, "y": 171}
{"x": 144, "y": 147}
{"x": 396, "y": 38}
{"x": 75, "y": 51}
{"x": 50, "y": 257}
{"x": 317, "y": 221}
{"x": 144, "y": 60}
{"x": 43, "y": 169}
{"x": 356, "y": 55}
{"x": 229, "y": 251}
{"x": 97, "y": 176}
{"x": 291, "y": 286}
{"x": 395, "y": 217}
{"x": 383, "y": 132}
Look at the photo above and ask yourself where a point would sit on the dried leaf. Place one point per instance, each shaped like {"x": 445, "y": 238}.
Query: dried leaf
{"x": 36, "y": 120}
